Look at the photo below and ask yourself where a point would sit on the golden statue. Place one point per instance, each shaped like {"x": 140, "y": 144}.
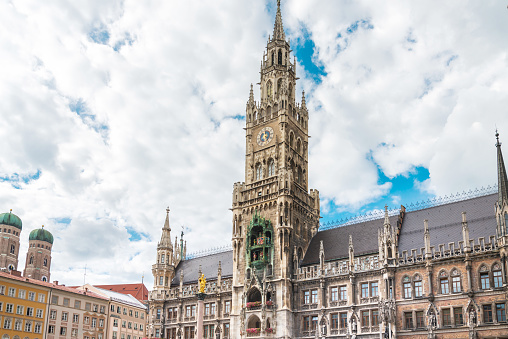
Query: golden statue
{"x": 202, "y": 284}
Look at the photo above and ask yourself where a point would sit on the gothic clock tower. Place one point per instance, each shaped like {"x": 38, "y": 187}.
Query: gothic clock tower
{"x": 274, "y": 214}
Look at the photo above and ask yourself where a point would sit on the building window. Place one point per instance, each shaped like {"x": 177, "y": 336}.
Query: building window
{"x": 12, "y": 292}
{"x": 51, "y": 329}
{"x": 21, "y": 294}
{"x": 456, "y": 284}
{"x": 271, "y": 167}
{"x": 227, "y": 307}
{"x": 19, "y": 309}
{"x": 39, "y": 313}
{"x": 447, "y": 320}
{"x": 207, "y": 309}
{"x": 158, "y": 316}
{"x": 63, "y": 330}
{"x": 484, "y": 280}
{"x": 365, "y": 290}
{"x": 75, "y": 318}
{"x": 74, "y": 332}
{"x": 9, "y": 308}
{"x": 365, "y": 318}
{"x": 373, "y": 289}
{"x": 314, "y": 297}
{"x": 306, "y": 297}
{"x": 42, "y": 297}
{"x": 226, "y": 330}
{"x": 420, "y": 320}
{"x": 189, "y": 332}
{"x": 30, "y": 311}
{"x": 500, "y": 313}
{"x": 418, "y": 288}
{"x": 343, "y": 319}
{"x": 38, "y": 328}
{"x": 444, "y": 286}
{"x": 457, "y": 316}
{"x": 335, "y": 320}
{"x": 407, "y": 290}
{"x": 66, "y": 302}
{"x": 259, "y": 171}
{"x": 343, "y": 293}
{"x": 334, "y": 294}
{"x": 408, "y": 320}
{"x": 28, "y": 326}
{"x": 31, "y": 296}
{"x": 306, "y": 323}
{"x": 52, "y": 315}
{"x": 17, "y": 325}
{"x": 374, "y": 317}
{"x": 496, "y": 275}
{"x": 487, "y": 314}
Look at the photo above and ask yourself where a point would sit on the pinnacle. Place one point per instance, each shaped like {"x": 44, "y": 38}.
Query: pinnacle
{"x": 278, "y": 30}
{"x": 501, "y": 174}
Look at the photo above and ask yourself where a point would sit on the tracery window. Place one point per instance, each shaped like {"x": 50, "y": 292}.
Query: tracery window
{"x": 13, "y": 249}
{"x": 484, "y": 277}
{"x": 456, "y": 286}
{"x": 406, "y": 287}
{"x": 269, "y": 89}
{"x": 45, "y": 262}
{"x": 31, "y": 261}
{"x": 418, "y": 285}
{"x": 444, "y": 283}
{"x": 271, "y": 167}
{"x": 259, "y": 171}
{"x": 298, "y": 146}
{"x": 496, "y": 275}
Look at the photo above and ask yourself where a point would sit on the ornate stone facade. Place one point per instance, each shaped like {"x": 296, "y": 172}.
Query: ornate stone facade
{"x": 431, "y": 272}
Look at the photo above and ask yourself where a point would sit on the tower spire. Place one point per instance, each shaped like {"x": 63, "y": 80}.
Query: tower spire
{"x": 278, "y": 30}
{"x": 166, "y": 233}
{"x": 502, "y": 185}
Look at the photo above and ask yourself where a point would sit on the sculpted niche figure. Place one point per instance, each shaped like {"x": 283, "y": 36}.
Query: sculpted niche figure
{"x": 202, "y": 283}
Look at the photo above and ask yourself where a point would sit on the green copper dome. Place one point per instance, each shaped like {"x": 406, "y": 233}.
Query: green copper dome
{"x": 10, "y": 219}
{"x": 42, "y": 235}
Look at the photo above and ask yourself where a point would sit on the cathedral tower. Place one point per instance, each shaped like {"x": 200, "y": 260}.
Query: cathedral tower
{"x": 502, "y": 207}
{"x": 38, "y": 256}
{"x": 274, "y": 214}
{"x": 10, "y": 227}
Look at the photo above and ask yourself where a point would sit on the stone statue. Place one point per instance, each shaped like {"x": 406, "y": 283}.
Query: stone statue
{"x": 472, "y": 319}
{"x": 202, "y": 283}
{"x": 353, "y": 325}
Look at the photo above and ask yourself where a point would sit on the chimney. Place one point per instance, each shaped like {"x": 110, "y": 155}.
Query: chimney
{"x": 55, "y": 282}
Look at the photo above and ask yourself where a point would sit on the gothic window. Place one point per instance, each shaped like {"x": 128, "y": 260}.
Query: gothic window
{"x": 291, "y": 139}
{"x": 255, "y": 115}
{"x": 269, "y": 89}
{"x": 418, "y": 285}
{"x": 280, "y": 57}
{"x": 496, "y": 275}
{"x": 299, "y": 178}
{"x": 31, "y": 261}
{"x": 13, "y": 249}
{"x": 271, "y": 167}
{"x": 484, "y": 278}
{"x": 45, "y": 263}
{"x": 298, "y": 146}
{"x": 506, "y": 220}
{"x": 162, "y": 258}
{"x": 161, "y": 280}
{"x": 406, "y": 287}
{"x": 273, "y": 58}
{"x": 279, "y": 85}
{"x": 444, "y": 282}
{"x": 259, "y": 171}
{"x": 456, "y": 286}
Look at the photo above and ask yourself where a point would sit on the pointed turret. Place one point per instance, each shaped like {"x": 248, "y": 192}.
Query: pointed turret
{"x": 426, "y": 239}
{"x": 251, "y": 96}
{"x": 166, "y": 233}
{"x": 278, "y": 30}
{"x": 304, "y": 105}
{"x": 501, "y": 174}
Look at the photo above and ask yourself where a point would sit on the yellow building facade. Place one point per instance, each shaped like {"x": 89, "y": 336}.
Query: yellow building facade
{"x": 23, "y": 307}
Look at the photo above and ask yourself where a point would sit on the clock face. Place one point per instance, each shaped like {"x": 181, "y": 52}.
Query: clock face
{"x": 265, "y": 136}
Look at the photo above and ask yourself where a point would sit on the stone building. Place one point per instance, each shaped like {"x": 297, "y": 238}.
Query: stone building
{"x": 10, "y": 228}
{"x": 38, "y": 257}
{"x": 434, "y": 271}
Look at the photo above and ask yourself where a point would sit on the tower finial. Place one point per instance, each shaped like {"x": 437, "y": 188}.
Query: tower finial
{"x": 278, "y": 30}
{"x": 501, "y": 174}
{"x": 166, "y": 223}
{"x": 251, "y": 95}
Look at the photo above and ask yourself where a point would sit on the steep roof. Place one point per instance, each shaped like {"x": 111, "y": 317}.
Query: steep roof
{"x": 138, "y": 291}
{"x": 336, "y": 240}
{"x": 445, "y": 223}
{"x": 115, "y": 296}
{"x": 209, "y": 267}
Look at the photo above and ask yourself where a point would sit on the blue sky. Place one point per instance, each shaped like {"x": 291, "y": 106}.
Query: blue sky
{"x": 117, "y": 109}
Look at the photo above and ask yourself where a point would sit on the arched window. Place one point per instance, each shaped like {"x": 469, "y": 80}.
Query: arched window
{"x": 31, "y": 261}
{"x": 280, "y": 57}
{"x": 291, "y": 139}
{"x": 13, "y": 249}
{"x": 506, "y": 220}
{"x": 300, "y": 175}
{"x": 497, "y": 275}
{"x": 406, "y": 287}
{"x": 444, "y": 282}
{"x": 279, "y": 86}
{"x": 298, "y": 146}
{"x": 418, "y": 285}
{"x": 161, "y": 280}
{"x": 269, "y": 89}
{"x": 456, "y": 283}
{"x": 162, "y": 258}
{"x": 259, "y": 171}
{"x": 271, "y": 167}
{"x": 484, "y": 277}
{"x": 253, "y": 295}
{"x": 45, "y": 262}
{"x": 44, "y": 278}
{"x": 273, "y": 58}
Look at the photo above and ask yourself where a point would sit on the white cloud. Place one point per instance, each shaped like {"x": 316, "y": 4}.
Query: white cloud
{"x": 160, "y": 89}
